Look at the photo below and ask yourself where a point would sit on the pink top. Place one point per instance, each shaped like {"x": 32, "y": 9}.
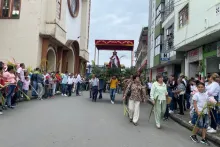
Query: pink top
{"x": 26, "y": 84}
{"x": 9, "y": 77}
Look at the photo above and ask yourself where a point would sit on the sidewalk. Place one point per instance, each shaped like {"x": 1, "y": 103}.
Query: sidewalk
{"x": 184, "y": 121}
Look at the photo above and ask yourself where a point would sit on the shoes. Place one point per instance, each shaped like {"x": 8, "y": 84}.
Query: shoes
{"x": 112, "y": 102}
{"x": 209, "y": 128}
{"x": 135, "y": 124}
{"x": 204, "y": 141}
{"x": 65, "y": 95}
{"x": 158, "y": 126}
{"x": 194, "y": 138}
{"x": 1, "y": 112}
{"x": 62, "y": 94}
{"x": 171, "y": 112}
{"x": 212, "y": 131}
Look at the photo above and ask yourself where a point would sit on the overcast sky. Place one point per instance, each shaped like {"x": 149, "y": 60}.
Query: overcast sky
{"x": 117, "y": 19}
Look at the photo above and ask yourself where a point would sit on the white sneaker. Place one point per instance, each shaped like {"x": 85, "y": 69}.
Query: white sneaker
{"x": 112, "y": 102}
{"x": 65, "y": 95}
{"x": 158, "y": 126}
{"x": 190, "y": 122}
{"x": 62, "y": 95}
{"x": 211, "y": 131}
{"x": 209, "y": 128}
{"x": 1, "y": 113}
{"x": 171, "y": 112}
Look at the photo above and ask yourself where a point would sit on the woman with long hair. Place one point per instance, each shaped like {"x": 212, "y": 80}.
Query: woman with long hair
{"x": 138, "y": 94}
{"x": 158, "y": 96}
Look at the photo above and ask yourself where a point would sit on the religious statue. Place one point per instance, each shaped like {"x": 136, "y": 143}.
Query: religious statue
{"x": 114, "y": 61}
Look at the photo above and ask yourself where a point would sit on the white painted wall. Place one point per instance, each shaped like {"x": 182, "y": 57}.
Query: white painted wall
{"x": 73, "y": 25}
{"x": 202, "y": 20}
{"x": 154, "y": 74}
{"x": 19, "y": 38}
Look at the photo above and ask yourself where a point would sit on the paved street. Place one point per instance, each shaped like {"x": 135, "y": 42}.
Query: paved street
{"x": 77, "y": 122}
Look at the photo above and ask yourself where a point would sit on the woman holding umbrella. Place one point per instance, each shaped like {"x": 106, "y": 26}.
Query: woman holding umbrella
{"x": 158, "y": 96}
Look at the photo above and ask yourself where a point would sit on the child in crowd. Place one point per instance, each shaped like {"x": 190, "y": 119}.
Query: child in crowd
{"x": 200, "y": 101}
{"x": 26, "y": 85}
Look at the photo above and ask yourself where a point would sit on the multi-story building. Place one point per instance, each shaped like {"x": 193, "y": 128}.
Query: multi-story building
{"x": 141, "y": 52}
{"x": 197, "y": 31}
{"x": 164, "y": 59}
{"x": 184, "y": 39}
{"x": 52, "y": 34}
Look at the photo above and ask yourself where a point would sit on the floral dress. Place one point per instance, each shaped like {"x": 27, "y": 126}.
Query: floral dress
{"x": 138, "y": 92}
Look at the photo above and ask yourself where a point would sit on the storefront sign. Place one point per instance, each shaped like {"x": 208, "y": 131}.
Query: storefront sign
{"x": 194, "y": 55}
{"x": 165, "y": 56}
{"x": 218, "y": 49}
{"x": 160, "y": 70}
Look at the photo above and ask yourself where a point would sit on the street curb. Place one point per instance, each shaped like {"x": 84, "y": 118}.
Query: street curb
{"x": 215, "y": 139}
{"x": 185, "y": 124}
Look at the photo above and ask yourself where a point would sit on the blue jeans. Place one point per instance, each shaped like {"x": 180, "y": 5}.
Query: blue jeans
{"x": 11, "y": 89}
{"x": 64, "y": 86}
{"x": 187, "y": 100}
{"x": 35, "y": 88}
{"x": 112, "y": 94}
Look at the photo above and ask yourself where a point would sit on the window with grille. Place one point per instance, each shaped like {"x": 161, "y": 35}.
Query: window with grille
{"x": 10, "y": 9}
{"x": 184, "y": 16}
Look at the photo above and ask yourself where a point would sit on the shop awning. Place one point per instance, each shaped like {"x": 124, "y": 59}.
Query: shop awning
{"x": 120, "y": 45}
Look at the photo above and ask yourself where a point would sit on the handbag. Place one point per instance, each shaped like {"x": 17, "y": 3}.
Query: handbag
{"x": 168, "y": 99}
{"x": 129, "y": 91}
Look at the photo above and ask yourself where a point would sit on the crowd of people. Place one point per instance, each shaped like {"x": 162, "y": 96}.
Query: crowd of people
{"x": 16, "y": 82}
{"x": 198, "y": 97}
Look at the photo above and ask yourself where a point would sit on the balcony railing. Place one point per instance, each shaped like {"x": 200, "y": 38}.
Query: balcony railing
{"x": 169, "y": 7}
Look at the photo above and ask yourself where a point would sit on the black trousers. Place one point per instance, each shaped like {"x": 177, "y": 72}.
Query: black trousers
{"x": 69, "y": 89}
{"x": 100, "y": 93}
{"x": 77, "y": 88}
{"x": 181, "y": 103}
{"x": 94, "y": 92}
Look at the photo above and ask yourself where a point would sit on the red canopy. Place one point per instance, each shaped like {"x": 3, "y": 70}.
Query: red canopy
{"x": 127, "y": 45}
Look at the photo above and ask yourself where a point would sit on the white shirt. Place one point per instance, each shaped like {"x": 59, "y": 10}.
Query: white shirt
{"x": 70, "y": 80}
{"x": 94, "y": 82}
{"x": 201, "y": 99}
{"x": 75, "y": 80}
{"x": 78, "y": 79}
{"x": 21, "y": 72}
{"x": 213, "y": 89}
{"x": 149, "y": 85}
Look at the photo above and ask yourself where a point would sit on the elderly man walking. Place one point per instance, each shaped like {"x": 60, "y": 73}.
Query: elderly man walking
{"x": 94, "y": 82}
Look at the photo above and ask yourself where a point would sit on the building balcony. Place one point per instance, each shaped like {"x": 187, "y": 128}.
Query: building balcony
{"x": 158, "y": 30}
{"x": 157, "y": 60}
{"x": 53, "y": 24}
{"x": 169, "y": 8}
